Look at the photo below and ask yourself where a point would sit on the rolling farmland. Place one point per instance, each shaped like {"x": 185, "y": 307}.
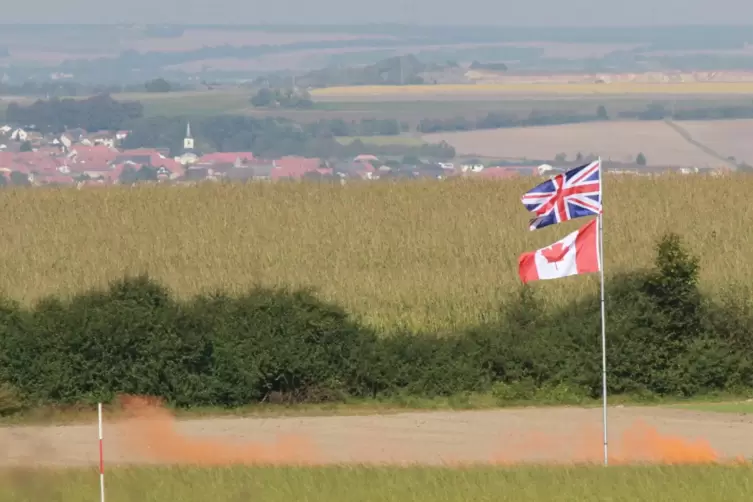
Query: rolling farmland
{"x": 619, "y": 141}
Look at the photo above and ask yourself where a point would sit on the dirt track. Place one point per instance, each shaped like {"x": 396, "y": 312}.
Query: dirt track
{"x": 549, "y": 435}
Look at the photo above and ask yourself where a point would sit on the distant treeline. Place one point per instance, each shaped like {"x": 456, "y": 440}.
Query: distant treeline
{"x": 279, "y": 136}
{"x": 274, "y": 137}
{"x": 655, "y": 111}
{"x": 277, "y": 345}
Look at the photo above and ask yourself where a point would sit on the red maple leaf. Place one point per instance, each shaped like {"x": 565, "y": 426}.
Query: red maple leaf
{"x": 555, "y": 252}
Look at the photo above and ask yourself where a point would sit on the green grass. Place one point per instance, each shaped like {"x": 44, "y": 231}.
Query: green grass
{"x": 82, "y": 414}
{"x": 739, "y": 407}
{"x": 384, "y": 484}
{"x": 382, "y": 140}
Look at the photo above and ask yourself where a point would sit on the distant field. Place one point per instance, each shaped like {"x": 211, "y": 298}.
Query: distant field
{"x": 190, "y": 102}
{"x": 468, "y": 91}
{"x": 619, "y": 141}
{"x": 382, "y": 140}
{"x": 236, "y": 101}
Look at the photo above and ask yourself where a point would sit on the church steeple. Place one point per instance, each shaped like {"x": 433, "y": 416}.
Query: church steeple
{"x": 188, "y": 140}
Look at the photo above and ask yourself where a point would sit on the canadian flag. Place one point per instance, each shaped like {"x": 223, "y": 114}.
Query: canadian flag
{"x": 577, "y": 253}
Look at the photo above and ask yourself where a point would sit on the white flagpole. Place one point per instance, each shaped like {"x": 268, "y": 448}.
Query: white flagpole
{"x": 603, "y": 319}
{"x": 101, "y": 456}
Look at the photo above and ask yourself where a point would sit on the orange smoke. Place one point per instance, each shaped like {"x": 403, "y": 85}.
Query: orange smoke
{"x": 151, "y": 435}
{"x": 639, "y": 443}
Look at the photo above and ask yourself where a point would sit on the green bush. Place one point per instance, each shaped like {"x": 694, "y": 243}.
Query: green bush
{"x": 663, "y": 339}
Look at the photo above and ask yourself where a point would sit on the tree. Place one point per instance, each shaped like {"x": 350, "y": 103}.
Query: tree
{"x": 601, "y": 113}
{"x": 560, "y": 157}
{"x": 19, "y": 179}
{"x": 158, "y": 85}
{"x": 640, "y": 159}
{"x": 26, "y": 146}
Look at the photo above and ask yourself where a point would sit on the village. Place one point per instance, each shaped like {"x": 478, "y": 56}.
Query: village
{"x": 79, "y": 158}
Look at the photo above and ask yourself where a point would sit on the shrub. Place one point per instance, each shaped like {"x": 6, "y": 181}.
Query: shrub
{"x": 281, "y": 345}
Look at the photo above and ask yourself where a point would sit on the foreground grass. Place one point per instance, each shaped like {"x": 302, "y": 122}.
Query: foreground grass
{"x": 333, "y": 484}
{"x": 424, "y": 255}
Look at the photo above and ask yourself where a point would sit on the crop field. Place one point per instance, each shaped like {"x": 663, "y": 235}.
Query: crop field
{"x": 425, "y": 255}
{"x": 619, "y": 141}
{"x": 470, "y": 91}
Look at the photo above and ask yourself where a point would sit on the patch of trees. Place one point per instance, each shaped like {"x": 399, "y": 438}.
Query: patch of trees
{"x": 131, "y": 175}
{"x": 476, "y": 65}
{"x": 288, "y": 346}
{"x": 97, "y": 113}
{"x": 288, "y": 98}
{"x": 390, "y": 71}
{"x": 659, "y": 111}
{"x": 273, "y": 137}
{"x": 158, "y": 85}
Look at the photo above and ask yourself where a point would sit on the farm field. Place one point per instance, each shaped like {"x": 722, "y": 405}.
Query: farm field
{"x": 525, "y": 90}
{"x": 619, "y": 141}
{"x": 382, "y": 140}
{"x": 731, "y": 137}
{"x": 424, "y": 255}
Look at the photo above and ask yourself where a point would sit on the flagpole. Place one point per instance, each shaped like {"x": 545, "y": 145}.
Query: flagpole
{"x": 603, "y": 319}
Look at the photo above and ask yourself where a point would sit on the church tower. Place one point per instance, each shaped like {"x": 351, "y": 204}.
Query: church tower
{"x": 188, "y": 140}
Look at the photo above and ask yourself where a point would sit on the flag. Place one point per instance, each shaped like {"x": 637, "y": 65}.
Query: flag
{"x": 567, "y": 196}
{"x": 577, "y": 253}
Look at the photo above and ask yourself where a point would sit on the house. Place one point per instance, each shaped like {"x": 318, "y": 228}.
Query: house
{"x": 19, "y": 135}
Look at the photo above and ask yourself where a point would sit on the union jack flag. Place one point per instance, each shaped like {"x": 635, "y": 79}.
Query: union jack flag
{"x": 572, "y": 194}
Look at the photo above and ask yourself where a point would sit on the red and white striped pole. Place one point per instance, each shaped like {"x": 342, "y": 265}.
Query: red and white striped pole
{"x": 101, "y": 457}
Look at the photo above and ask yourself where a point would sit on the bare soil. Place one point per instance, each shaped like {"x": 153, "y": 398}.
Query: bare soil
{"x": 501, "y": 436}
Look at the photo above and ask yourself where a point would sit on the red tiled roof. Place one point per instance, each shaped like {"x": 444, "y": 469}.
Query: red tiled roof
{"x": 293, "y": 167}
{"x": 95, "y": 154}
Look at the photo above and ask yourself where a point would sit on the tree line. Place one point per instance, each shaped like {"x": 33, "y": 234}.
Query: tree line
{"x": 666, "y": 339}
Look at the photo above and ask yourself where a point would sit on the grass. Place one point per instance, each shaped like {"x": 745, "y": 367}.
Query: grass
{"x": 383, "y": 484}
{"x": 422, "y": 255}
{"x": 737, "y": 407}
{"x": 382, "y": 140}
{"x": 689, "y": 88}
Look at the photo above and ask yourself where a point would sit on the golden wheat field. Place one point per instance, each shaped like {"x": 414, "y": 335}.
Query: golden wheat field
{"x": 444, "y": 91}
{"x": 424, "y": 255}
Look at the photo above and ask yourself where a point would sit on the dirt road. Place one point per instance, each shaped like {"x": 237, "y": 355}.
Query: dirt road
{"x": 500, "y": 436}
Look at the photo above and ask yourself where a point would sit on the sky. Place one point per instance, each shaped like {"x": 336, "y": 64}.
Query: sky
{"x": 488, "y": 12}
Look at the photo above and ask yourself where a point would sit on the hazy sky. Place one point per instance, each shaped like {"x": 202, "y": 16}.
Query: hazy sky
{"x": 497, "y": 12}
